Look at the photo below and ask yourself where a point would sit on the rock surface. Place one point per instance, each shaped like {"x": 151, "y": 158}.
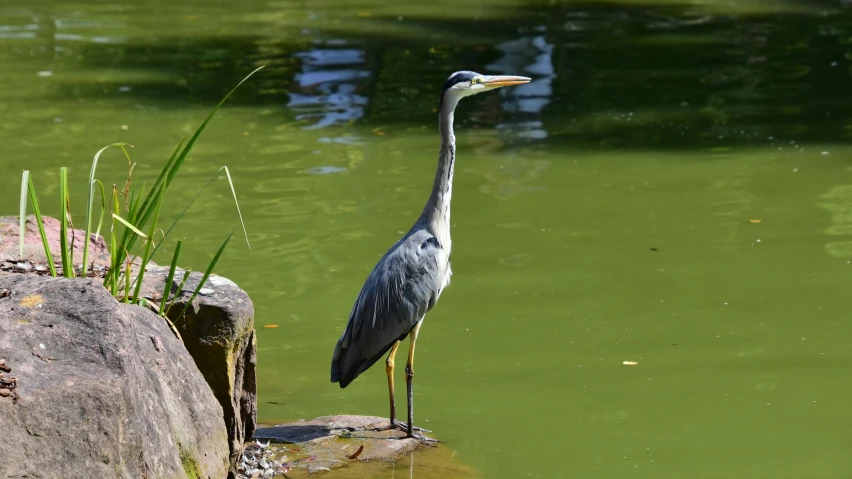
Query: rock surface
{"x": 218, "y": 331}
{"x": 103, "y": 389}
{"x": 33, "y": 248}
{"x": 332, "y": 443}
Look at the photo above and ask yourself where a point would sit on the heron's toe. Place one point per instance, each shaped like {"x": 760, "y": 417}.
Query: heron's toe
{"x": 428, "y": 441}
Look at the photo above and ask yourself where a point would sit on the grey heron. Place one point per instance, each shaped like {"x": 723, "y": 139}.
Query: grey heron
{"x": 406, "y": 283}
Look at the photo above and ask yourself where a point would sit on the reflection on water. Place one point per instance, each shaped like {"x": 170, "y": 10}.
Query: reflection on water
{"x": 838, "y": 201}
{"x": 631, "y": 75}
{"x": 326, "y": 90}
{"x": 530, "y": 56}
{"x": 54, "y": 30}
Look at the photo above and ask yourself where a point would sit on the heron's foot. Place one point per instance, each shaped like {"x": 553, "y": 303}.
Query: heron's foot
{"x": 426, "y": 441}
{"x": 404, "y": 428}
{"x": 393, "y": 425}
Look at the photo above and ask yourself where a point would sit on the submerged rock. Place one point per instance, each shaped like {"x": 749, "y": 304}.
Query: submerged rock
{"x": 103, "y": 389}
{"x": 322, "y": 433}
{"x": 34, "y": 249}
{"x": 350, "y": 446}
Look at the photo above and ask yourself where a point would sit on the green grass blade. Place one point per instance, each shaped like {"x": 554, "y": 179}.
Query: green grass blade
{"x": 179, "y": 216}
{"x": 133, "y": 210}
{"x": 186, "y": 273}
{"x": 173, "y": 166}
{"x": 239, "y": 213}
{"x": 134, "y": 203}
{"x": 115, "y": 267}
{"x": 67, "y": 267}
{"x": 128, "y": 238}
{"x": 142, "y": 265}
{"x": 128, "y": 225}
{"x": 40, "y": 223}
{"x": 207, "y": 273}
{"x": 127, "y": 270}
{"x": 194, "y": 137}
{"x": 130, "y": 166}
{"x": 112, "y": 275}
{"x": 178, "y": 163}
{"x": 73, "y": 238}
{"x": 89, "y": 203}
{"x": 103, "y": 208}
{"x": 146, "y": 255}
{"x": 163, "y": 173}
{"x": 170, "y": 279}
{"x": 128, "y": 198}
{"x": 22, "y": 216}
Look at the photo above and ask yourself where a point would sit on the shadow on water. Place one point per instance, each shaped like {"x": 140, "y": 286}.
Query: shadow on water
{"x": 606, "y": 75}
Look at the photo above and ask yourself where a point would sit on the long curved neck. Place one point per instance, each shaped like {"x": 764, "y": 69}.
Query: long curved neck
{"x": 436, "y": 214}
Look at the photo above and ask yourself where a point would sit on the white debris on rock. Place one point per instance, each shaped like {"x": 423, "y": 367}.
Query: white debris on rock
{"x": 256, "y": 463}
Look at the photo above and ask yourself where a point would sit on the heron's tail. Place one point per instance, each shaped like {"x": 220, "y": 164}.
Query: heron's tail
{"x": 335, "y": 366}
{"x": 342, "y": 363}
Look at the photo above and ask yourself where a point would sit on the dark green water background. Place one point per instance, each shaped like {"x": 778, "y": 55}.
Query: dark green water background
{"x": 602, "y": 212}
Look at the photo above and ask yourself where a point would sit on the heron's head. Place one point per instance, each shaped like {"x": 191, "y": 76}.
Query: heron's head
{"x": 464, "y": 83}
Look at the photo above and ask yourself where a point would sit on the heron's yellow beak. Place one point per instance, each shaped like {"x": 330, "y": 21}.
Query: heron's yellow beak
{"x": 497, "y": 81}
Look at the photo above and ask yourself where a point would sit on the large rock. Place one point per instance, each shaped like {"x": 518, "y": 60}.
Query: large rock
{"x": 103, "y": 389}
{"x": 218, "y": 331}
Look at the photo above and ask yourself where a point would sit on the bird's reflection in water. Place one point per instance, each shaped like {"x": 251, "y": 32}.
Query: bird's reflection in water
{"x": 410, "y": 467}
{"x": 326, "y": 91}
{"x": 527, "y": 54}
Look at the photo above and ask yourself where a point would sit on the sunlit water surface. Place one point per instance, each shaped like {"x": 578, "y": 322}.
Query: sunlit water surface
{"x": 673, "y": 188}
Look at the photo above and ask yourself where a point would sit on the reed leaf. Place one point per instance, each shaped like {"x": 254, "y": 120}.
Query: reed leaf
{"x": 170, "y": 278}
{"x": 70, "y": 230}
{"x": 131, "y": 203}
{"x": 67, "y": 267}
{"x": 112, "y": 275}
{"x": 146, "y": 255}
{"x": 174, "y": 329}
{"x": 103, "y": 208}
{"x": 186, "y": 274}
{"x": 127, "y": 269}
{"x": 233, "y": 192}
{"x": 207, "y": 273}
{"x": 128, "y": 225}
{"x": 22, "y": 216}
{"x": 172, "y": 168}
{"x": 40, "y": 223}
{"x": 168, "y": 173}
{"x": 89, "y": 203}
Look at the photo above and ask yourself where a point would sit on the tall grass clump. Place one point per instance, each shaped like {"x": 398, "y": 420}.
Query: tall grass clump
{"x": 135, "y": 233}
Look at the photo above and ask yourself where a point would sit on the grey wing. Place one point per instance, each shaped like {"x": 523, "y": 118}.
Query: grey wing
{"x": 402, "y": 287}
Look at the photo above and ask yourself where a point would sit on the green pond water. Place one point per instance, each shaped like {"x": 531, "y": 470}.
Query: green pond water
{"x": 674, "y": 188}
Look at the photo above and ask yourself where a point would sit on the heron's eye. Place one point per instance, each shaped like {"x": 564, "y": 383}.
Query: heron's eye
{"x": 476, "y": 80}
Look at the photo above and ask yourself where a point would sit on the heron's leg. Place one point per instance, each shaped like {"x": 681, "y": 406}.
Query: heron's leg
{"x": 394, "y": 424}
{"x": 409, "y": 378}
{"x": 389, "y": 369}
